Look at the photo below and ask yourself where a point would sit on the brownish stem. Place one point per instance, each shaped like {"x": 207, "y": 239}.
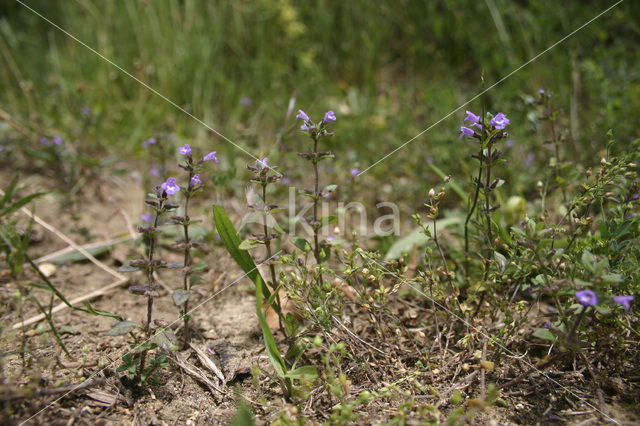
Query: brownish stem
{"x": 272, "y": 269}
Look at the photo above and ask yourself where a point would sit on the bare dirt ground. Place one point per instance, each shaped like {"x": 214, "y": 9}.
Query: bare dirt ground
{"x": 226, "y": 331}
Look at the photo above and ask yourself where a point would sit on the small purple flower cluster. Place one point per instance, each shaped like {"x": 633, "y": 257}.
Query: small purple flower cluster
{"x": 589, "y": 298}
{"x": 48, "y": 142}
{"x": 498, "y": 122}
{"x": 310, "y": 126}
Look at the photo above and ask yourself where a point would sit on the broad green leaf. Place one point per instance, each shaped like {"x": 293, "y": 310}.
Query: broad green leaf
{"x": 195, "y": 280}
{"x": 544, "y": 334}
{"x": 248, "y": 244}
{"x": 309, "y": 371}
{"x": 328, "y": 220}
{"x": 301, "y": 243}
{"x": 122, "y": 328}
{"x": 405, "y": 244}
{"x": 198, "y": 267}
{"x": 231, "y": 241}
{"x": 180, "y": 296}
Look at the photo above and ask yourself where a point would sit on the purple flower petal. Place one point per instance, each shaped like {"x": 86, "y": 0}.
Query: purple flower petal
{"x": 185, "y": 150}
{"x": 303, "y": 115}
{"x": 624, "y": 301}
{"x": 262, "y": 164}
{"x": 466, "y": 131}
{"x": 195, "y": 180}
{"x": 500, "y": 121}
{"x": 329, "y": 116}
{"x": 587, "y": 298}
{"x": 170, "y": 186}
{"x": 472, "y": 117}
{"x": 210, "y": 156}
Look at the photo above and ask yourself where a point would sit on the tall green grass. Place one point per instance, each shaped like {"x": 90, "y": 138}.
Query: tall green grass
{"x": 388, "y": 68}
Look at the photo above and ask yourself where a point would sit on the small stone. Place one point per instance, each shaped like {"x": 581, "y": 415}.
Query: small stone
{"x": 48, "y": 269}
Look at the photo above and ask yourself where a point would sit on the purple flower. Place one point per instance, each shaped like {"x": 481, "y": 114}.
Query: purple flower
{"x": 148, "y": 142}
{"x": 146, "y": 217}
{"x": 305, "y": 128}
{"x": 262, "y": 164}
{"x": 624, "y": 301}
{"x": 170, "y": 186}
{"x": 85, "y": 110}
{"x": 286, "y": 180}
{"x": 354, "y": 172}
{"x": 185, "y": 150}
{"x": 303, "y": 115}
{"x": 245, "y": 101}
{"x": 587, "y": 298}
{"x": 331, "y": 238}
{"x": 195, "y": 180}
{"x": 500, "y": 121}
{"x": 429, "y": 159}
{"x": 154, "y": 171}
{"x": 472, "y": 117}
{"x": 509, "y": 143}
{"x": 44, "y": 141}
{"x": 541, "y": 92}
{"x": 329, "y": 116}
{"x": 210, "y": 156}
{"x": 530, "y": 159}
{"x": 466, "y": 131}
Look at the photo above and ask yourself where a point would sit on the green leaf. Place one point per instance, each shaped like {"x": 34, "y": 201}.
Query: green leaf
{"x": 309, "y": 371}
{"x": 166, "y": 340}
{"x": 612, "y": 278}
{"x": 199, "y": 267}
{"x": 9, "y": 191}
{"x": 122, "y": 328}
{"x": 128, "y": 268}
{"x": 544, "y": 334}
{"x": 231, "y": 241}
{"x": 502, "y": 261}
{"x": 291, "y": 324}
{"x": 328, "y": 220}
{"x": 405, "y": 244}
{"x": 301, "y": 243}
{"x": 195, "y": 280}
{"x": 248, "y": 244}
{"x": 180, "y": 296}
{"x": 21, "y": 202}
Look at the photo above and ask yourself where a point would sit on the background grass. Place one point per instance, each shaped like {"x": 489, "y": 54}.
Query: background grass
{"x": 389, "y": 69}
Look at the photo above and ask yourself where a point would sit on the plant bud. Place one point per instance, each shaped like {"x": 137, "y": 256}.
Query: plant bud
{"x": 432, "y": 193}
{"x": 365, "y": 271}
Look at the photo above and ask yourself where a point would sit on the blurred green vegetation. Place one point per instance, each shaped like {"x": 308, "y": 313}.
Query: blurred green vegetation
{"x": 389, "y": 69}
